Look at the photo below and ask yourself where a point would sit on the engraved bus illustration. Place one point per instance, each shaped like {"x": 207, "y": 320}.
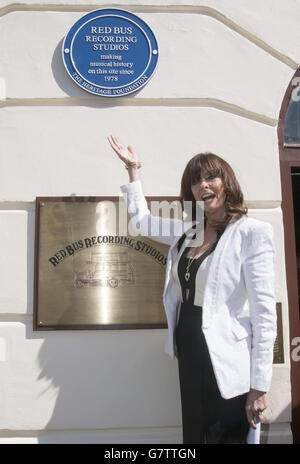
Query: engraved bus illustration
{"x": 105, "y": 269}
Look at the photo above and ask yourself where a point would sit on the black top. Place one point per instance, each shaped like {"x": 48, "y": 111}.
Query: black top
{"x": 182, "y": 269}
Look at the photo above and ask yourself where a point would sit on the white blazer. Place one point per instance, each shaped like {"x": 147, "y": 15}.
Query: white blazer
{"x": 239, "y": 309}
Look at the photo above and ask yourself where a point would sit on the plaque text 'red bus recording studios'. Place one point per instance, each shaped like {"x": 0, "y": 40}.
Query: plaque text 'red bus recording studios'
{"x": 110, "y": 53}
{"x": 88, "y": 275}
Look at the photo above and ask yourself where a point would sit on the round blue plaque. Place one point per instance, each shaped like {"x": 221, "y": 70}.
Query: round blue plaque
{"x": 110, "y": 53}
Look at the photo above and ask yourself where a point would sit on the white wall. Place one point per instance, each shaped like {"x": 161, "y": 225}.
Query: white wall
{"x": 223, "y": 70}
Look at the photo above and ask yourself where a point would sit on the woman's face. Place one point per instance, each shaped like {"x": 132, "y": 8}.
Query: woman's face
{"x": 210, "y": 190}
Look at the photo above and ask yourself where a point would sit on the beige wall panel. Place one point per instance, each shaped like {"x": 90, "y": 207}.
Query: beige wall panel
{"x": 86, "y": 380}
{"x": 279, "y": 396}
{"x": 277, "y": 433}
{"x": 262, "y": 18}
{"x": 127, "y": 435}
{"x": 16, "y": 250}
{"x": 199, "y": 58}
{"x": 63, "y": 150}
{"x": 273, "y": 21}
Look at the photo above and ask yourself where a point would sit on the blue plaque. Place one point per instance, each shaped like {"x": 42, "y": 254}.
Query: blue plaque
{"x": 110, "y": 52}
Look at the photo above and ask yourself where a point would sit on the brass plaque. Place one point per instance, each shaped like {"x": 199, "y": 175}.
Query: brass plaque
{"x": 89, "y": 274}
{"x": 278, "y": 351}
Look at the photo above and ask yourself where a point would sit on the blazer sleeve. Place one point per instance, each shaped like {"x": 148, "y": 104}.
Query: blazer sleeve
{"x": 163, "y": 230}
{"x": 258, "y": 269}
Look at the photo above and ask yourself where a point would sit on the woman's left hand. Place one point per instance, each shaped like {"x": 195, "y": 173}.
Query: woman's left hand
{"x": 255, "y": 405}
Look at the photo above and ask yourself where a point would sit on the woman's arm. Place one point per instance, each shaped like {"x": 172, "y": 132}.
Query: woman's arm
{"x": 157, "y": 228}
{"x": 128, "y": 156}
{"x": 258, "y": 269}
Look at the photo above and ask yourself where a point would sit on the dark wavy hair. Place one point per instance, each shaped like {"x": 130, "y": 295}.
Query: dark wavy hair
{"x": 214, "y": 165}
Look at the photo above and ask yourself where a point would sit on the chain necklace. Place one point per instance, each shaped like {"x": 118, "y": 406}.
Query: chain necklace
{"x": 187, "y": 274}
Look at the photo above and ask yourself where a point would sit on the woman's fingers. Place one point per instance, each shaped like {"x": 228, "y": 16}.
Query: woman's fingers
{"x": 255, "y": 405}
{"x": 133, "y": 155}
{"x": 113, "y": 143}
{"x": 117, "y": 142}
{"x": 254, "y": 416}
{"x": 252, "y": 420}
{"x": 116, "y": 146}
{"x": 250, "y": 417}
{"x": 125, "y": 154}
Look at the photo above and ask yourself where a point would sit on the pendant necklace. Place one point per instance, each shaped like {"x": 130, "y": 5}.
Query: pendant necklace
{"x": 187, "y": 274}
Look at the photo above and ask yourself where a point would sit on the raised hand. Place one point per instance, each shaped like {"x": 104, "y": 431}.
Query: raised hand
{"x": 127, "y": 155}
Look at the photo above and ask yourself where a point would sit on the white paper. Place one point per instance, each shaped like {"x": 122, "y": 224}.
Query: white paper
{"x": 253, "y": 437}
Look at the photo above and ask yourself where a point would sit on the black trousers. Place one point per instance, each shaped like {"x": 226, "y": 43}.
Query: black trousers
{"x": 206, "y": 416}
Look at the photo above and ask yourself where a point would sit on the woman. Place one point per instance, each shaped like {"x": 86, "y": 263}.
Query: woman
{"x": 219, "y": 301}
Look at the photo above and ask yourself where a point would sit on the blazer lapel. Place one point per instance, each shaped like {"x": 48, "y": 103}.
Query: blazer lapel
{"x": 172, "y": 254}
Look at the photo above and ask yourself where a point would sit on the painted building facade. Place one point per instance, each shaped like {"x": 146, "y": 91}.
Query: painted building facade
{"x": 223, "y": 72}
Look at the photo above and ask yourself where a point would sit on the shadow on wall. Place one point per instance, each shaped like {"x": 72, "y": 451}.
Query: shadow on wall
{"x": 100, "y": 381}
{"x": 62, "y": 78}
{"x": 103, "y": 379}
{"x": 271, "y": 433}
{"x": 91, "y": 379}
